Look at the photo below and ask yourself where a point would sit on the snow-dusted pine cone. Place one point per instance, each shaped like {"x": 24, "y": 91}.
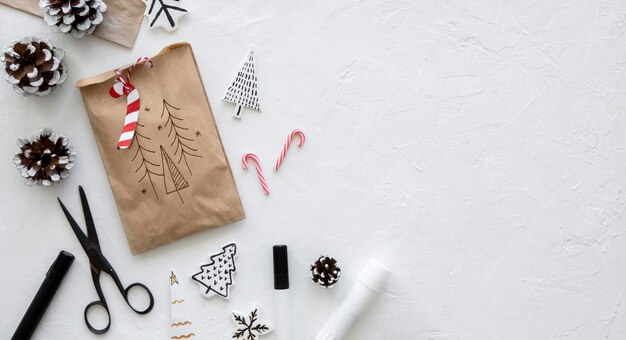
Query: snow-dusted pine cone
{"x": 325, "y": 271}
{"x": 75, "y": 16}
{"x": 33, "y": 66}
{"x": 45, "y": 158}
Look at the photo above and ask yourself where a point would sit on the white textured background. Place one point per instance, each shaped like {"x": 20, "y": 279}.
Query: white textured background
{"x": 475, "y": 147}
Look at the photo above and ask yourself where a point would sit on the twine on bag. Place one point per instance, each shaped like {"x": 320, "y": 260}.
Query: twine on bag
{"x": 125, "y": 87}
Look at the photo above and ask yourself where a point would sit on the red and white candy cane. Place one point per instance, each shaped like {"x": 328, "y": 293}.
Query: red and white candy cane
{"x": 287, "y": 144}
{"x": 259, "y": 171}
{"x": 126, "y": 88}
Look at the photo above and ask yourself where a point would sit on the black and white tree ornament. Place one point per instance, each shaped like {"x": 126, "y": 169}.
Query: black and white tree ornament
{"x": 249, "y": 327}
{"x": 33, "y": 66}
{"x": 216, "y": 276}
{"x": 45, "y": 158}
{"x": 243, "y": 90}
{"x": 78, "y": 17}
{"x": 164, "y": 13}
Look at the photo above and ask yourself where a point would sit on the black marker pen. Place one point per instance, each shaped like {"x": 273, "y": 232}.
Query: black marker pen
{"x": 44, "y": 296}
{"x": 282, "y": 307}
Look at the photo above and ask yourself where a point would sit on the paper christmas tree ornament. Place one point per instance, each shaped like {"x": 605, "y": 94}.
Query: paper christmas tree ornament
{"x": 181, "y": 326}
{"x": 243, "y": 90}
{"x": 164, "y": 13}
{"x": 216, "y": 276}
{"x": 249, "y": 327}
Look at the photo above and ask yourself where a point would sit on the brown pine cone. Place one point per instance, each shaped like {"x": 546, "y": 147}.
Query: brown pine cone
{"x": 75, "y": 16}
{"x": 45, "y": 158}
{"x": 325, "y": 271}
{"x": 33, "y": 66}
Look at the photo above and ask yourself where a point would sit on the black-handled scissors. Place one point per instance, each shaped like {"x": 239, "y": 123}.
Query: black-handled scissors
{"x": 98, "y": 264}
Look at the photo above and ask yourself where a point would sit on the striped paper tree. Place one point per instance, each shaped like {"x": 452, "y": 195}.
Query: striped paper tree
{"x": 243, "y": 90}
{"x": 181, "y": 326}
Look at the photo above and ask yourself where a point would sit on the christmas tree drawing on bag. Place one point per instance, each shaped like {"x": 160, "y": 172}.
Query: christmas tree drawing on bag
{"x": 173, "y": 180}
{"x": 181, "y": 144}
{"x": 243, "y": 90}
{"x": 216, "y": 276}
{"x": 146, "y": 169}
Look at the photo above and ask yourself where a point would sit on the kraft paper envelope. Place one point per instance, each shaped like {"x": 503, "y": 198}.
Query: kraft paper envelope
{"x": 175, "y": 179}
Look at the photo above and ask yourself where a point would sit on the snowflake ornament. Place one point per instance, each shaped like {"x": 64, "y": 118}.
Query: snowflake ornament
{"x": 164, "y": 13}
{"x": 249, "y": 328}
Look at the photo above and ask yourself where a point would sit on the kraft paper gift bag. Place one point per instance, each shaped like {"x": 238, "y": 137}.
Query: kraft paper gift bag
{"x": 121, "y": 23}
{"x": 174, "y": 179}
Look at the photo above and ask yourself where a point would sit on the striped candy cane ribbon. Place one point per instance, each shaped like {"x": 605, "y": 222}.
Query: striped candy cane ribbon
{"x": 293, "y": 133}
{"x": 126, "y": 88}
{"x": 259, "y": 171}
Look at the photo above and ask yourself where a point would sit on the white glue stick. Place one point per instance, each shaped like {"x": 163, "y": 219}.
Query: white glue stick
{"x": 371, "y": 281}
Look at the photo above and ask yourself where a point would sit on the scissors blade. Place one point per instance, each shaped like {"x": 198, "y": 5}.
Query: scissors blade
{"x": 91, "y": 227}
{"x": 82, "y": 238}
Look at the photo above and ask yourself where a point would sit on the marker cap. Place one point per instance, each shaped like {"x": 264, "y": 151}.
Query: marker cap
{"x": 60, "y": 266}
{"x": 281, "y": 268}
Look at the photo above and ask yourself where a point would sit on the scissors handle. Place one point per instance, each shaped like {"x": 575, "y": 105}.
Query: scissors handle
{"x": 106, "y": 309}
{"x": 142, "y": 286}
{"x": 125, "y": 293}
